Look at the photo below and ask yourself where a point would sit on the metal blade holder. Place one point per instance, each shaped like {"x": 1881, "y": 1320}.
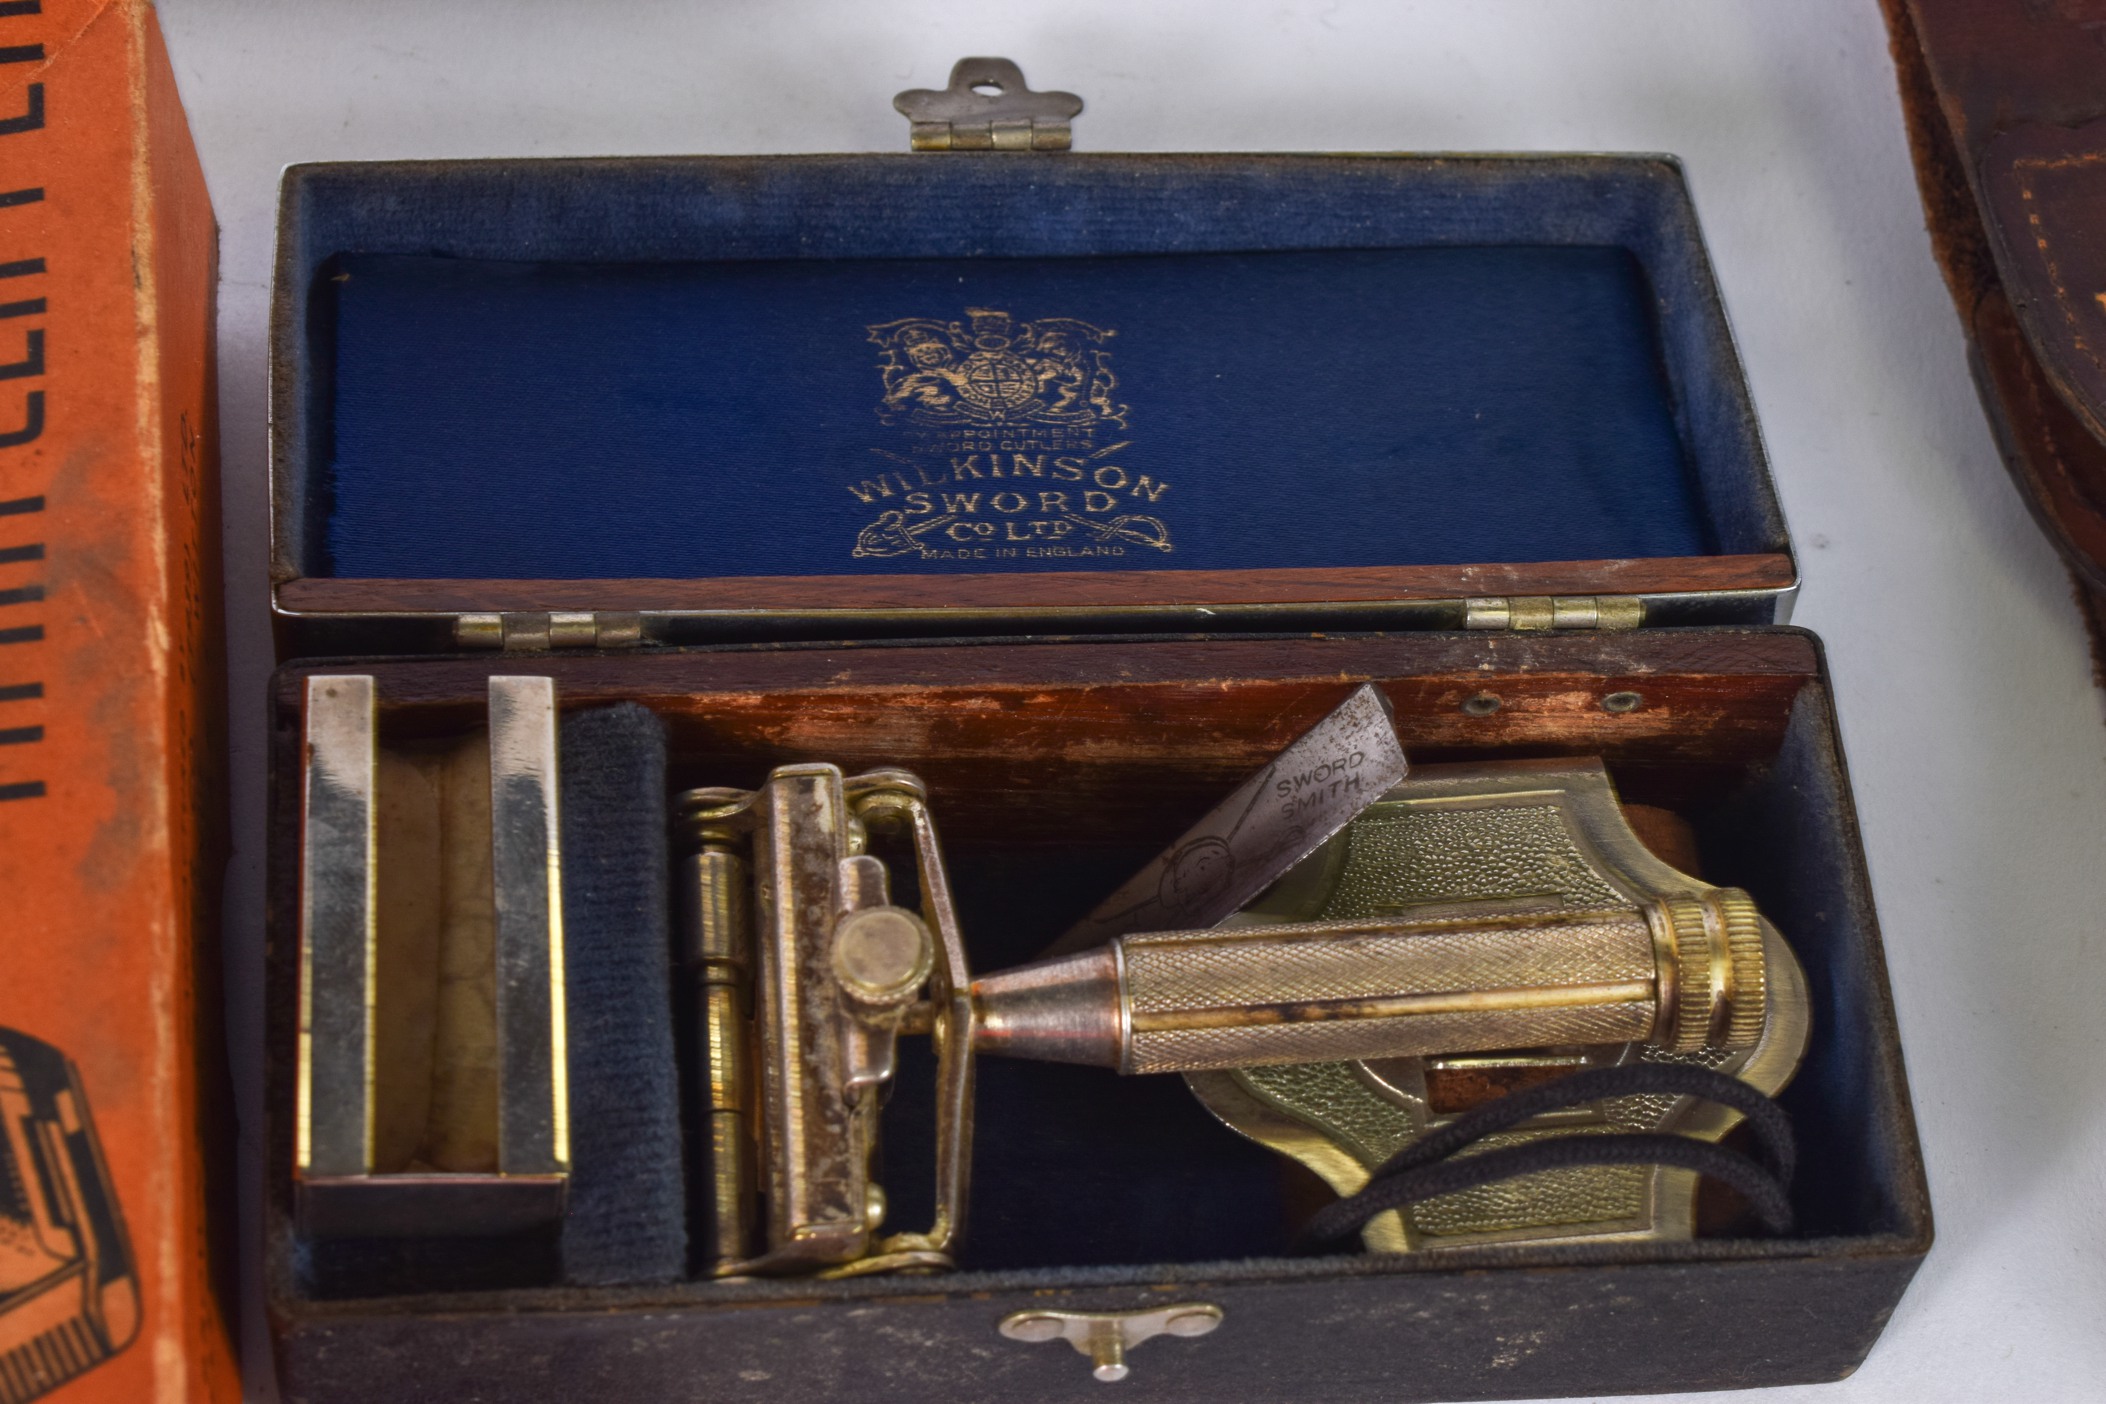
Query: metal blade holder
{"x": 360, "y": 993}
{"x": 800, "y": 998}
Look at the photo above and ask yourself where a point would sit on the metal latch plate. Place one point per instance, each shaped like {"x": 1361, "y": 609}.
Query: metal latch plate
{"x": 1106, "y": 1336}
{"x": 988, "y": 107}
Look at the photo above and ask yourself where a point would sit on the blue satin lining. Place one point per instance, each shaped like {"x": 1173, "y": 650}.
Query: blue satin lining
{"x": 1340, "y": 407}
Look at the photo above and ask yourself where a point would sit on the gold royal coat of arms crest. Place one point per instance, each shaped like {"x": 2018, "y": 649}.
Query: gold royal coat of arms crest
{"x": 992, "y": 369}
{"x": 985, "y": 405}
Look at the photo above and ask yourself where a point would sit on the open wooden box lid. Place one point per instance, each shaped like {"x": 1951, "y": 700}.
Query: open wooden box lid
{"x": 549, "y": 403}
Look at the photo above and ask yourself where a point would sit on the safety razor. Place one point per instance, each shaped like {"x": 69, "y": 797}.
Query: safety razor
{"x": 1335, "y": 950}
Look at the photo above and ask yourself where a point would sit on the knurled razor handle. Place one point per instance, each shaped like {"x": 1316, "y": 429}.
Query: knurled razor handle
{"x": 1684, "y": 974}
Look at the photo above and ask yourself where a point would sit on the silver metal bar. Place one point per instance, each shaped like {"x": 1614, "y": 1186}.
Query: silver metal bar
{"x": 338, "y": 936}
{"x": 533, "y": 1133}
{"x": 1275, "y": 819}
{"x": 954, "y": 1049}
{"x": 816, "y": 1153}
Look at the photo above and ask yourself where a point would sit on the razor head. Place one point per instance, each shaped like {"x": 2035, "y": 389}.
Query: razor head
{"x": 800, "y": 955}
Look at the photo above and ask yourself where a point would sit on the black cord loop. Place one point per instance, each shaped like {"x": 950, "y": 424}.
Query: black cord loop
{"x": 1430, "y": 1165}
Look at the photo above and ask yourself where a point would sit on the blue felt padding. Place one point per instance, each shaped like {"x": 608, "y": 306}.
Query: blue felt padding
{"x": 1019, "y": 223}
{"x": 1333, "y": 408}
{"x": 625, "y": 1218}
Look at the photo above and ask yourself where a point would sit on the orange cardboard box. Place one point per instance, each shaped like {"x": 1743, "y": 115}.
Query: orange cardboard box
{"x": 110, "y": 721}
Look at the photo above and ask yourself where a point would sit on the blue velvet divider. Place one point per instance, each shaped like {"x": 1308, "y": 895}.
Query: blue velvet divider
{"x": 1213, "y": 411}
{"x": 626, "y": 1216}
{"x": 666, "y": 367}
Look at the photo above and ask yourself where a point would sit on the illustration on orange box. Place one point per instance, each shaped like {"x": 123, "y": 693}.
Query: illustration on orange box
{"x": 69, "y": 1297}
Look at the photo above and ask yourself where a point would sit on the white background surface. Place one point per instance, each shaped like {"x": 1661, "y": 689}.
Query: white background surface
{"x": 1973, "y": 732}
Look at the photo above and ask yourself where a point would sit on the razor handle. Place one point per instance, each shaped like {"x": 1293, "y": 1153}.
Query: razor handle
{"x": 1682, "y": 974}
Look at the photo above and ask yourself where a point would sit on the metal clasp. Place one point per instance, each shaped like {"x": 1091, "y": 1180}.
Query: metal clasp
{"x": 988, "y": 107}
{"x": 1106, "y": 1336}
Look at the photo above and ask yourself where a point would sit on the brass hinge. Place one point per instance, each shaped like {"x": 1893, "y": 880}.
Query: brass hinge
{"x": 1543, "y": 612}
{"x": 988, "y": 107}
{"x": 533, "y": 632}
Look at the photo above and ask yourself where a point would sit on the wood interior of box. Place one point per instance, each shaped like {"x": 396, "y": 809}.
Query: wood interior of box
{"x": 1107, "y": 743}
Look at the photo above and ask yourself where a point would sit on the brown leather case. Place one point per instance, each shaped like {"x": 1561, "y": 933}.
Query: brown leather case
{"x": 2006, "y": 109}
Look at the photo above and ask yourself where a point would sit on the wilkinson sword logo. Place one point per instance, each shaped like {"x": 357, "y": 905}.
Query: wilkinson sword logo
{"x": 998, "y": 451}
{"x": 997, "y": 371}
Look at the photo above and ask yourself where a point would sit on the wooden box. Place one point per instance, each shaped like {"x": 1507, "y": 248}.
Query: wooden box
{"x": 1498, "y": 459}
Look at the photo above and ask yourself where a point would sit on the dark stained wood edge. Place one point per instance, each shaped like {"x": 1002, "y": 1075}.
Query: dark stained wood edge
{"x": 1026, "y": 739}
{"x": 1050, "y": 590}
{"x": 867, "y": 668}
